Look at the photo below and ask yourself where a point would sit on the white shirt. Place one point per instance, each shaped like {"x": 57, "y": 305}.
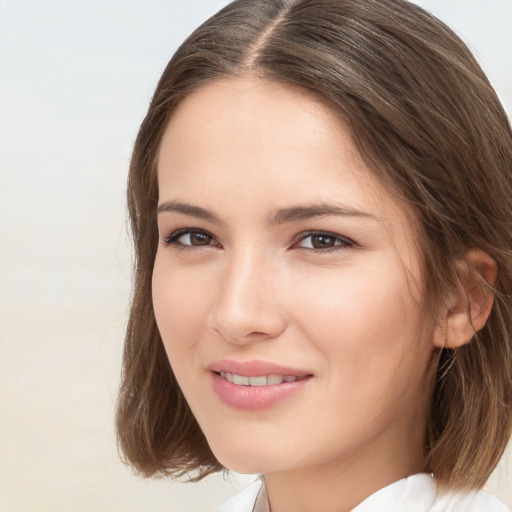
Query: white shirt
{"x": 417, "y": 493}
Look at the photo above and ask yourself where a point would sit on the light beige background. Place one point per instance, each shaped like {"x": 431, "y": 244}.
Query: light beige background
{"x": 75, "y": 80}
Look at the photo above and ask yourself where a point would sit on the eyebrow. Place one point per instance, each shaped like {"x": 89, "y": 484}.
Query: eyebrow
{"x": 298, "y": 213}
{"x": 280, "y": 216}
{"x": 188, "y": 209}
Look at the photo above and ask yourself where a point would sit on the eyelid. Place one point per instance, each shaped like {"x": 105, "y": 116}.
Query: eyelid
{"x": 342, "y": 242}
{"x": 177, "y": 234}
{"x": 345, "y": 241}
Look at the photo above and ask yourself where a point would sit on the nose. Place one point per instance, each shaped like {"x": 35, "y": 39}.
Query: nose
{"x": 247, "y": 308}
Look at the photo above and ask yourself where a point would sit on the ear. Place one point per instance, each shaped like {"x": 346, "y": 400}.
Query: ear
{"x": 471, "y": 307}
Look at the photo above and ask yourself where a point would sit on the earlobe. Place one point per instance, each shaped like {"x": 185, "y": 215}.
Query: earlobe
{"x": 471, "y": 307}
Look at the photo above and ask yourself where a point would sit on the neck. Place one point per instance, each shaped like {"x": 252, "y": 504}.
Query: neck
{"x": 342, "y": 485}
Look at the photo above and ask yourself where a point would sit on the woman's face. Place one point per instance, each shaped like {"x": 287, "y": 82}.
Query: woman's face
{"x": 286, "y": 286}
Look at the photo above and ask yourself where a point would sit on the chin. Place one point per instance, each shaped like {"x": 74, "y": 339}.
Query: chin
{"x": 244, "y": 462}
{"x": 248, "y": 459}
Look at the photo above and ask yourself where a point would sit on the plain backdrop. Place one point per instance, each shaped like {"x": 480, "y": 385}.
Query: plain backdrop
{"x": 75, "y": 81}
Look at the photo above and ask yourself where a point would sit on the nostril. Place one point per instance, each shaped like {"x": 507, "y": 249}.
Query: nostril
{"x": 241, "y": 322}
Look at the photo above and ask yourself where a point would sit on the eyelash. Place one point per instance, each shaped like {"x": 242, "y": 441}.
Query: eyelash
{"x": 340, "y": 242}
{"x": 173, "y": 238}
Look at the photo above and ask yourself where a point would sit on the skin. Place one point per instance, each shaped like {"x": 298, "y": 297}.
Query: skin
{"x": 349, "y": 315}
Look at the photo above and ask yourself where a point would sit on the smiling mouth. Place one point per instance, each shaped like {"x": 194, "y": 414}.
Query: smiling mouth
{"x": 258, "y": 381}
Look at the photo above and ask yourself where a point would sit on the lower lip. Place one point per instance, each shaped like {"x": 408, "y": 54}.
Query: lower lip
{"x": 254, "y": 398}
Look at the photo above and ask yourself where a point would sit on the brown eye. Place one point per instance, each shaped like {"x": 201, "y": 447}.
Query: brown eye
{"x": 321, "y": 241}
{"x": 198, "y": 239}
{"x": 190, "y": 238}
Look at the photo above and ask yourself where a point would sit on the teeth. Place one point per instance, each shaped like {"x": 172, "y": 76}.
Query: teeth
{"x": 274, "y": 379}
{"x": 258, "y": 381}
{"x": 240, "y": 380}
{"x": 263, "y": 380}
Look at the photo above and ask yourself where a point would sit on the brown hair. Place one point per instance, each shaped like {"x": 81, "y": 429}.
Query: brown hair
{"x": 427, "y": 121}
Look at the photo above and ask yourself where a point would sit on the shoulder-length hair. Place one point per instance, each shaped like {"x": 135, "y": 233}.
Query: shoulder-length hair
{"x": 428, "y": 123}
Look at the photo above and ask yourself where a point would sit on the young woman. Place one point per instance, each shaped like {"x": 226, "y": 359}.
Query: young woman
{"x": 321, "y": 203}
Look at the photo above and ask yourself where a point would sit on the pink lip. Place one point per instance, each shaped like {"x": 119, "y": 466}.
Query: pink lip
{"x": 254, "y": 368}
{"x": 255, "y": 398}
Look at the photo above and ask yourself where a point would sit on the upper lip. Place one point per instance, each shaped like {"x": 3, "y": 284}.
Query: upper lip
{"x": 254, "y": 368}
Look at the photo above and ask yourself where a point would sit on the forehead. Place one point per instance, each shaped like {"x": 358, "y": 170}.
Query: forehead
{"x": 268, "y": 137}
{"x": 263, "y": 130}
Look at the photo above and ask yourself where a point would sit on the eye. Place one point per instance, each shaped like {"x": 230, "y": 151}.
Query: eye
{"x": 323, "y": 241}
{"x": 191, "y": 238}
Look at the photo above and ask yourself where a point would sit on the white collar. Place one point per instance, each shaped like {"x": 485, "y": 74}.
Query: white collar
{"x": 417, "y": 493}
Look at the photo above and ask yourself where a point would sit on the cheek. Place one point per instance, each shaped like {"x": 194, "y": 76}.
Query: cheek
{"x": 366, "y": 325}
{"x": 364, "y": 318}
{"x": 181, "y": 303}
